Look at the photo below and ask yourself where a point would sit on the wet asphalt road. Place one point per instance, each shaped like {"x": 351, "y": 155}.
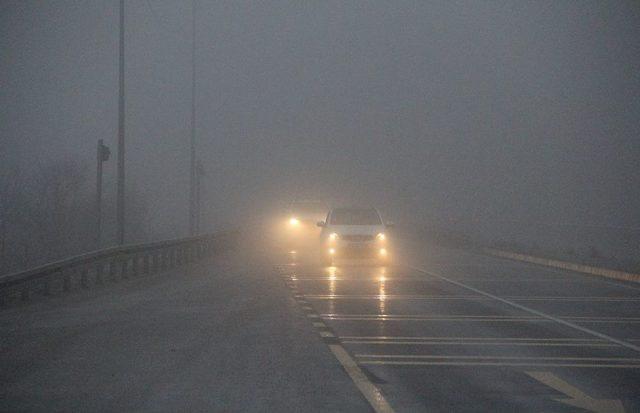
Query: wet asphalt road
{"x": 262, "y": 329}
{"x": 447, "y": 330}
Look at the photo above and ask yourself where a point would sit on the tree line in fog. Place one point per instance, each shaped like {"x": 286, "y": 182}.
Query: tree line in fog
{"x": 49, "y": 212}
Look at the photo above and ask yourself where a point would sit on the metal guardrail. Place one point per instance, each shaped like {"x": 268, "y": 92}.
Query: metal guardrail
{"x": 96, "y": 267}
{"x": 586, "y": 269}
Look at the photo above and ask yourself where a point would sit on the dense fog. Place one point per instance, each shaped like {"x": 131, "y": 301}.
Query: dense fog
{"x": 516, "y": 122}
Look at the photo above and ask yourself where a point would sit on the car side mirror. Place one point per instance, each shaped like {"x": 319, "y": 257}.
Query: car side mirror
{"x": 321, "y": 224}
{"x": 389, "y": 224}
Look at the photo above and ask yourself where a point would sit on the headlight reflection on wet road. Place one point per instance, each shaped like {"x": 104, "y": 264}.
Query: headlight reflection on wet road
{"x": 332, "y": 289}
{"x": 382, "y": 294}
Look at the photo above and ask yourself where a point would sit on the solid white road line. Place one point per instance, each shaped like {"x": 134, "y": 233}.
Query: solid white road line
{"x": 464, "y": 297}
{"x": 477, "y": 343}
{"x": 463, "y": 357}
{"x": 532, "y": 311}
{"x": 496, "y": 364}
{"x": 576, "y": 397}
{"x": 470, "y": 338}
{"x": 369, "y": 390}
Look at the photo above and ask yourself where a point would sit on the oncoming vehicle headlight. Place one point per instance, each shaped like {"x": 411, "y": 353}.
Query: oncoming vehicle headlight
{"x": 293, "y": 221}
{"x": 383, "y": 252}
{"x": 381, "y": 237}
{"x": 333, "y": 236}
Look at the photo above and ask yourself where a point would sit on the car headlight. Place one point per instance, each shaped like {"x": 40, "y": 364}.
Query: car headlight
{"x": 381, "y": 237}
{"x": 293, "y": 221}
{"x": 333, "y": 236}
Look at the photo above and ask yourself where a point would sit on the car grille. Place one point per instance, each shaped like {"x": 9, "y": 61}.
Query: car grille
{"x": 357, "y": 238}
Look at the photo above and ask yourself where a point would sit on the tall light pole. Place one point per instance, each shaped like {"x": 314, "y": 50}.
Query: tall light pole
{"x": 103, "y": 156}
{"x": 199, "y": 174}
{"x": 120, "y": 200}
{"x": 192, "y": 179}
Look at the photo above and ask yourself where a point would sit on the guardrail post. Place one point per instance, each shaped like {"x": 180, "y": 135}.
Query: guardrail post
{"x": 146, "y": 263}
{"x": 172, "y": 258}
{"x": 84, "y": 278}
{"x": 99, "y": 268}
{"x": 46, "y": 287}
{"x": 158, "y": 261}
{"x": 124, "y": 267}
{"x": 66, "y": 281}
{"x": 112, "y": 270}
{"x": 135, "y": 261}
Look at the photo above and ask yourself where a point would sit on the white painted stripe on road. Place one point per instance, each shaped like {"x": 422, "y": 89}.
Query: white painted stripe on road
{"x": 369, "y": 390}
{"x": 471, "y": 338}
{"x": 383, "y": 316}
{"x": 464, "y": 297}
{"x": 497, "y": 364}
{"x": 465, "y": 320}
{"x": 435, "y": 356}
{"x": 577, "y": 398}
{"x": 479, "y": 343}
{"x": 532, "y": 311}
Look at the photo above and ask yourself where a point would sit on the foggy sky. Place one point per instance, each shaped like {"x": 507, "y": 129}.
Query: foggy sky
{"x": 516, "y": 111}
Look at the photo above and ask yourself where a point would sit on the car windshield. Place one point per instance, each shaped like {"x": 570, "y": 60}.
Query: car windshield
{"x": 355, "y": 216}
{"x": 308, "y": 207}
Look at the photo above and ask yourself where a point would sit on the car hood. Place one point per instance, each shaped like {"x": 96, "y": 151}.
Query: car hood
{"x": 310, "y": 216}
{"x": 356, "y": 229}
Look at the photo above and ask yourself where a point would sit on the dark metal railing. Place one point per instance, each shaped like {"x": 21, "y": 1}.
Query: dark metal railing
{"x": 111, "y": 264}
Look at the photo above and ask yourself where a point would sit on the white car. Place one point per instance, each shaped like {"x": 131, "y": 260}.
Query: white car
{"x": 354, "y": 232}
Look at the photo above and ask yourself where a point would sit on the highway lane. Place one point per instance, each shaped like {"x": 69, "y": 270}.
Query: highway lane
{"x": 447, "y": 330}
{"x": 261, "y": 329}
{"x": 221, "y": 336}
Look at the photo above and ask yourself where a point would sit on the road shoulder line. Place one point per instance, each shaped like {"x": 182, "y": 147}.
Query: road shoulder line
{"x": 366, "y": 387}
{"x": 581, "y": 268}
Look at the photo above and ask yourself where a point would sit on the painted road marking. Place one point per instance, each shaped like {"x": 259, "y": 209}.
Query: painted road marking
{"x": 495, "y": 364}
{"x": 532, "y": 311}
{"x": 471, "y": 338}
{"x": 477, "y": 341}
{"x": 454, "y": 343}
{"x": 369, "y": 390}
{"x": 576, "y": 398}
{"x": 464, "y": 297}
{"x": 459, "y": 357}
{"x": 471, "y": 318}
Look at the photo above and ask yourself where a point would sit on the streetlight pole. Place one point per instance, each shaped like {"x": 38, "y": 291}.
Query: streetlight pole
{"x": 103, "y": 156}
{"x": 121, "y": 113}
{"x": 199, "y": 174}
{"x": 192, "y": 179}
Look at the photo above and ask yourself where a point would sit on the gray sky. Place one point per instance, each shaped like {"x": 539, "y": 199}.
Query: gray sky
{"x": 494, "y": 110}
